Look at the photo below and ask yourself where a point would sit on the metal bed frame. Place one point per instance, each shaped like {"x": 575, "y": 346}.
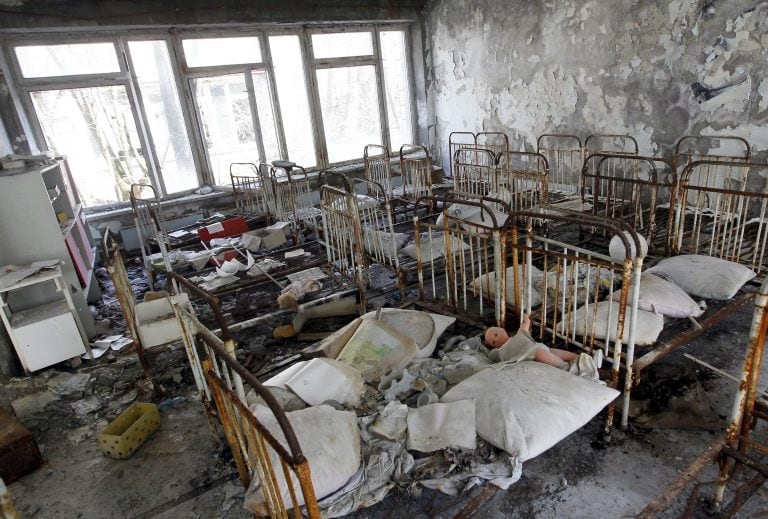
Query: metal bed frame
{"x": 376, "y": 222}
{"x": 113, "y": 259}
{"x": 342, "y": 236}
{"x": 495, "y": 142}
{"x": 727, "y": 222}
{"x": 628, "y": 188}
{"x": 738, "y": 449}
{"x": 470, "y": 253}
{"x": 565, "y": 155}
{"x": 475, "y": 172}
{"x": 415, "y": 173}
{"x": 466, "y": 289}
{"x": 378, "y": 167}
{"x": 689, "y": 149}
{"x": 249, "y": 190}
{"x": 526, "y": 176}
{"x": 148, "y": 219}
{"x": 290, "y": 197}
{"x": 575, "y": 277}
{"x": 222, "y": 383}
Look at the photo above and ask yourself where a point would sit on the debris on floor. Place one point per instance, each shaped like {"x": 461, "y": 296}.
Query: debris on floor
{"x": 19, "y": 453}
{"x": 414, "y": 430}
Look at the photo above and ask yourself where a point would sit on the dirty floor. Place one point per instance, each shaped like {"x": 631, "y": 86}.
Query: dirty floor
{"x": 182, "y": 471}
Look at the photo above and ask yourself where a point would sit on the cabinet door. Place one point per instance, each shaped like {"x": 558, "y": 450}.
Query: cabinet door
{"x": 49, "y": 341}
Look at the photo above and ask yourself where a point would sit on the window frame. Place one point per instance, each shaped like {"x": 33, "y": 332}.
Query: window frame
{"x": 189, "y": 74}
{"x": 184, "y": 77}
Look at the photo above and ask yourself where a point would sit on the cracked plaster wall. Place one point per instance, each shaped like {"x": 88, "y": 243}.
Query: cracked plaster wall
{"x": 656, "y": 70}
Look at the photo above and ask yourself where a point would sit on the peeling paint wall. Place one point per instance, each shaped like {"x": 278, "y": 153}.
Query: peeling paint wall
{"x": 656, "y": 70}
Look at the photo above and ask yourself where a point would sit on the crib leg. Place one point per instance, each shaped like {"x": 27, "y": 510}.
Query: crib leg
{"x": 626, "y": 397}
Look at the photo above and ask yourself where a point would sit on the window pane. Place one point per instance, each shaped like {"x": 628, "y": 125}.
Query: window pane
{"x": 225, "y": 114}
{"x": 342, "y": 44}
{"x": 67, "y": 60}
{"x": 152, "y": 68}
{"x": 349, "y": 104}
{"x": 204, "y": 52}
{"x": 292, "y": 93}
{"x": 95, "y": 129}
{"x": 266, "y": 116}
{"x": 397, "y": 85}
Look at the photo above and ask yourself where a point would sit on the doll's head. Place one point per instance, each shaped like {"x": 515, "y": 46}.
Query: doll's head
{"x": 495, "y": 337}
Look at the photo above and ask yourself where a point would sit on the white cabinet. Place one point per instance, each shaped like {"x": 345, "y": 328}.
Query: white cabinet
{"x": 46, "y": 334}
{"x": 41, "y": 218}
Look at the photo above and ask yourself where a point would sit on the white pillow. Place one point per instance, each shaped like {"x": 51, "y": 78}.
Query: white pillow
{"x": 649, "y": 324}
{"x": 365, "y": 201}
{"x": 470, "y": 217}
{"x": 704, "y": 276}
{"x": 662, "y": 297}
{"x": 433, "y": 248}
{"x": 329, "y": 439}
{"x": 527, "y": 407}
{"x": 376, "y": 242}
{"x": 617, "y": 251}
{"x": 488, "y": 284}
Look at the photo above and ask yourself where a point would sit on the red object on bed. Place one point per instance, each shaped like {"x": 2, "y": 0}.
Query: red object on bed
{"x": 229, "y": 227}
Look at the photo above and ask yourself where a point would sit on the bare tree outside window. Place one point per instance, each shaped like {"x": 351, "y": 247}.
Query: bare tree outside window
{"x": 94, "y": 127}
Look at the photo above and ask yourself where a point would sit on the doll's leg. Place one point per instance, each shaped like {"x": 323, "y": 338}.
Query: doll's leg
{"x": 567, "y": 356}
{"x": 547, "y": 356}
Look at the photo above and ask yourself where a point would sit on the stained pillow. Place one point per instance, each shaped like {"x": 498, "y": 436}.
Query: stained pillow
{"x": 487, "y": 283}
{"x": 383, "y": 244}
{"x": 663, "y": 297}
{"x": 527, "y": 407}
{"x": 431, "y": 248}
{"x": 704, "y": 276}
{"x": 472, "y": 217}
{"x": 649, "y": 324}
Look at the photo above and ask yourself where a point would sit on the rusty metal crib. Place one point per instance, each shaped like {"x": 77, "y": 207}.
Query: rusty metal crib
{"x": 223, "y": 383}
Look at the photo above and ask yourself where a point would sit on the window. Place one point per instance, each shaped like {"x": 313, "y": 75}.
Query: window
{"x": 227, "y": 122}
{"x": 152, "y": 67}
{"x": 205, "y": 52}
{"x": 394, "y": 61}
{"x": 294, "y": 104}
{"x": 357, "y": 83}
{"x": 266, "y": 115}
{"x": 175, "y": 110}
{"x": 37, "y": 61}
{"x": 342, "y": 44}
{"x": 95, "y": 128}
{"x": 349, "y": 102}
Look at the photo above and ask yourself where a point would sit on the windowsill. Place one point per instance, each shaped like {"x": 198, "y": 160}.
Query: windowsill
{"x": 124, "y": 208}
